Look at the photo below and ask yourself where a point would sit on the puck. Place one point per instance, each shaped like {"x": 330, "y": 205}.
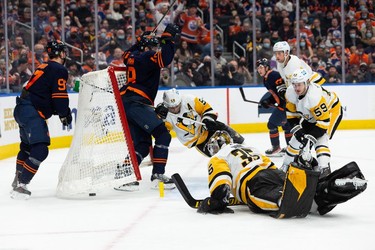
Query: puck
{"x": 92, "y": 194}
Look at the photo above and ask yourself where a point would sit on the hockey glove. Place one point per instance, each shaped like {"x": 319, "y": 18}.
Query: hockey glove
{"x": 301, "y": 136}
{"x": 210, "y": 124}
{"x": 213, "y": 206}
{"x": 161, "y": 110}
{"x": 281, "y": 89}
{"x": 170, "y": 33}
{"x": 66, "y": 120}
{"x": 172, "y": 29}
{"x": 265, "y": 103}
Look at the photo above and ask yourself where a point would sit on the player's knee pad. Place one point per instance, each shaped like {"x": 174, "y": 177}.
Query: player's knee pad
{"x": 38, "y": 153}
{"x": 339, "y": 186}
{"x": 162, "y": 136}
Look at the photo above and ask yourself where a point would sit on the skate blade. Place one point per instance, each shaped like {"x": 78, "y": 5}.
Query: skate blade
{"x": 167, "y": 186}
{"x": 127, "y": 188}
{"x": 276, "y": 155}
{"x": 19, "y": 196}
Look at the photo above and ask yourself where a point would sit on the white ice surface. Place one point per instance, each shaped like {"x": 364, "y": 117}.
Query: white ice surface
{"x": 143, "y": 220}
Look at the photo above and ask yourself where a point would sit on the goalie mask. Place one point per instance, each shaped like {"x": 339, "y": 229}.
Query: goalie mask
{"x": 217, "y": 140}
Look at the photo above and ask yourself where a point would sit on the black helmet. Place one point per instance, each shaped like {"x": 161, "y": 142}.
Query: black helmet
{"x": 54, "y": 48}
{"x": 147, "y": 39}
{"x": 263, "y": 62}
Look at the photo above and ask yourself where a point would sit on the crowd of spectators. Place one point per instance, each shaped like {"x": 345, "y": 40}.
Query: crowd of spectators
{"x": 319, "y": 29}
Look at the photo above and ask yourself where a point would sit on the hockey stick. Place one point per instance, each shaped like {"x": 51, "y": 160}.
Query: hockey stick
{"x": 185, "y": 118}
{"x": 244, "y": 97}
{"x": 246, "y": 100}
{"x": 190, "y": 200}
{"x": 161, "y": 19}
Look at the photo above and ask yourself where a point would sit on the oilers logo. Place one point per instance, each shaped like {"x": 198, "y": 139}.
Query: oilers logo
{"x": 193, "y": 25}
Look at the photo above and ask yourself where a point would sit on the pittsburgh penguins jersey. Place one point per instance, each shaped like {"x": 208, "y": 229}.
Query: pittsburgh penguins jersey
{"x": 235, "y": 165}
{"x": 294, "y": 63}
{"x": 47, "y": 89}
{"x": 188, "y": 132}
{"x": 315, "y": 106}
{"x": 143, "y": 69}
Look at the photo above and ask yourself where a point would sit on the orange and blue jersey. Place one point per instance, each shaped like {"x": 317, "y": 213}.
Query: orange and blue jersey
{"x": 143, "y": 69}
{"x": 47, "y": 89}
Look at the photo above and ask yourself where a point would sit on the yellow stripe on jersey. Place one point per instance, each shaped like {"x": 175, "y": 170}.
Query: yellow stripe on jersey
{"x": 242, "y": 182}
{"x": 219, "y": 173}
{"x": 203, "y": 108}
{"x": 322, "y": 150}
{"x": 291, "y": 107}
{"x": 317, "y": 78}
{"x": 263, "y": 204}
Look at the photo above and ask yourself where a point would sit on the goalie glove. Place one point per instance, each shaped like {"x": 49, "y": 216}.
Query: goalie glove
{"x": 161, "y": 110}
{"x": 213, "y": 206}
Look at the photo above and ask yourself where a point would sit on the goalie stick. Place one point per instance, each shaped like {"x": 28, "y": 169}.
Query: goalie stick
{"x": 190, "y": 200}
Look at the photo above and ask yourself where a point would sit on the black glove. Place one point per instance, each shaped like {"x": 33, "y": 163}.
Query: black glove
{"x": 281, "y": 89}
{"x": 161, "y": 110}
{"x": 265, "y": 103}
{"x": 301, "y": 136}
{"x": 66, "y": 120}
{"x": 172, "y": 29}
{"x": 210, "y": 124}
{"x": 213, "y": 206}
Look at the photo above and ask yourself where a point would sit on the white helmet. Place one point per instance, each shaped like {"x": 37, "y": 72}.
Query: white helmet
{"x": 300, "y": 75}
{"x": 281, "y": 46}
{"x": 217, "y": 140}
{"x": 171, "y": 98}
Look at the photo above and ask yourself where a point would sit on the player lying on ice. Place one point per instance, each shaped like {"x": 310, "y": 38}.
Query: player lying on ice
{"x": 193, "y": 119}
{"x": 253, "y": 179}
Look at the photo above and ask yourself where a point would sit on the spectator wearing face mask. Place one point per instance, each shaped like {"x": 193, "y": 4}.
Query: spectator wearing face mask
{"x": 359, "y": 56}
{"x": 370, "y": 75}
{"x": 266, "y": 50}
{"x": 120, "y": 39}
{"x": 230, "y": 75}
{"x": 352, "y": 38}
{"x": 40, "y": 56}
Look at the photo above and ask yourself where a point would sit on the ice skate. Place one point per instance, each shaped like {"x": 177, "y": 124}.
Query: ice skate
{"x": 275, "y": 151}
{"x": 130, "y": 187}
{"x": 156, "y": 178}
{"x": 20, "y": 192}
{"x": 15, "y": 180}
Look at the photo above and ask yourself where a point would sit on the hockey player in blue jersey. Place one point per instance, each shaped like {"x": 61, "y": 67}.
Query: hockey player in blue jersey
{"x": 44, "y": 95}
{"x": 271, "y": 80}
{"x": 144, "y": 63}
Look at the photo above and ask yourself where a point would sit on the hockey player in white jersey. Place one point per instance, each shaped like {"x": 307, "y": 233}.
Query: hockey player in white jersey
{"x": 254, "y": 180}
{"x": 193, "y": 120}
{"x": 321, "y": 114}
{"x": 287, "y": 64}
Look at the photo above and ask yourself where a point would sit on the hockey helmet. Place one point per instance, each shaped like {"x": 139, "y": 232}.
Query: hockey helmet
{"x": 217, "y": 140}
{"x": 147, "y": 39}
{"x": 300, "y": 76}
{"x": 263, "y": 61}
{"x": 171, "y": 98}
{"x": 281, "y": 46}
{"x": 54, "y": 48}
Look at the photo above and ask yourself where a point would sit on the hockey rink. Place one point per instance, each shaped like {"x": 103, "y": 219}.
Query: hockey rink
{"x": 144, "y": 220}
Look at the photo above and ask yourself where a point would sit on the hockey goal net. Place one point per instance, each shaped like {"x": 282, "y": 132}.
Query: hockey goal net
{"x": 101, "y": 154}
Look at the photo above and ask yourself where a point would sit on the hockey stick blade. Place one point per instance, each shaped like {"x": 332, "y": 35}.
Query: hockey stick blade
{"x": 190, "y": 200}
{"x": 244, "y": 97}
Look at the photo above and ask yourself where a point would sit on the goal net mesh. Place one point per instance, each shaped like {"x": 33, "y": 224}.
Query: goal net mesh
{"x": 101, "y": 154}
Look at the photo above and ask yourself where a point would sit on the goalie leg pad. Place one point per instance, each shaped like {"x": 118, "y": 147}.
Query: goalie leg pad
{"x": 298, "y": 193}
{"x": 340, "y": 186}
